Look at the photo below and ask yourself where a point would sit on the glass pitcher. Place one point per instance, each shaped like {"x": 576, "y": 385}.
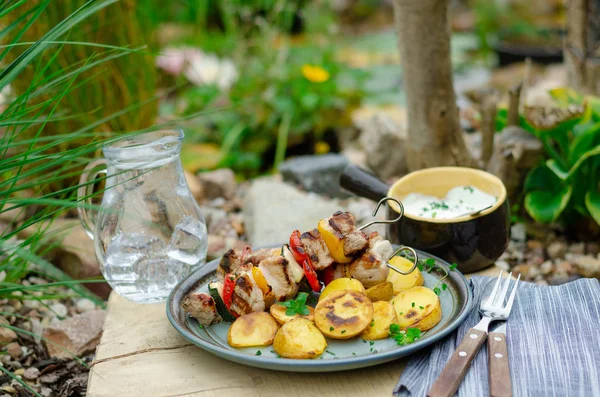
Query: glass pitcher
{"x": 148, "y": 233}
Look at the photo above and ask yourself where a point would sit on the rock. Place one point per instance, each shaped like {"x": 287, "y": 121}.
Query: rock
{"x": 547, "y": 267}
{"x": 355, "y": 155}
{"x": 577, "y": 248}
{"x": 523, "y": 270}
{"x": 541, "y": 282}
{"x": 73, "y": 252}
{"x": 563, "y": 267}
{"x": 518, "y": 232}
{"x": 31, "y": 303}
{"x": 9, "y": 389}
{"x": 31, "y": 373}
{"x": 383, "y": 142}
{"x": 592, "y": 248}
{"x": 20, "y": 371}
{"x": 218, "y": 245}
{"x": 194, "y": 185}
{"x": 212, "y": 215}
{"x": 59, "y": 310}
{"x": 503, "y": 265}
{"x": 6, "y": 335}
{"x": 533, "y": 271}
{"x": 587, "y": 265}
{"x": 556, "y": 249}
{"x": 76, "y": 335}
{"x": 84, "y": 305}
{"x": 218, "y": 183}
{"x": 318, "y": 174}
{"x": 273, "y": 210}
{"x": 536, "y": 248}
{"x": 14, "y": 350}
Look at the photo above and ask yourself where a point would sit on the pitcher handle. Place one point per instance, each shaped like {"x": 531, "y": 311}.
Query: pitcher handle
{"x": 85, "y": 192}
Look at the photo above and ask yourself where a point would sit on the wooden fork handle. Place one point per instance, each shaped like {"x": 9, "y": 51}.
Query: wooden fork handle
{"x": 499, "y": 372}
{"x": 455, "y": 370}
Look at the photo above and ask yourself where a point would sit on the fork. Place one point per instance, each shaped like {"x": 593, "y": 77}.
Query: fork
{"x": 492, "y": 308}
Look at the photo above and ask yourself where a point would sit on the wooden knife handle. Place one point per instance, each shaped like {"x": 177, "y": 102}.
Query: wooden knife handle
{"x": 499, "y": 372}
{"x": 455, "y": 370}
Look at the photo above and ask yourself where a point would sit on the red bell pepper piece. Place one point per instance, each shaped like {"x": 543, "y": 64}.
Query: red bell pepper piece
{"x": 311, "y": 275}
{"x": 297, "y": 248}
{"x": 302, "y": 257}
{"x": 228, "y": 285}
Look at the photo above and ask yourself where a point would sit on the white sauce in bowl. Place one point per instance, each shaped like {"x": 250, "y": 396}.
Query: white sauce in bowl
{"x": 459, "y": 201}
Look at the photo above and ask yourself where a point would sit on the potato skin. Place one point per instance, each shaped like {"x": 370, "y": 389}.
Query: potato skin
{"x": 278, "y": 313}
{"x": 252, "y": 329}
{"x": 341, "y": 284}
{"x": 424, "y": 314}
{"x": 381, "y": 292}
{"x": 299, "y": 338}
{"x": 344, "y": 314}
{"x": 403, "y": 282}
{"x": 384, "y": 315}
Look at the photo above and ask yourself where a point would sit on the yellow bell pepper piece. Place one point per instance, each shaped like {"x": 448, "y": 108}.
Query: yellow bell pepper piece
{"x": 334, "y": 243}
{"x": 260, "y": 280}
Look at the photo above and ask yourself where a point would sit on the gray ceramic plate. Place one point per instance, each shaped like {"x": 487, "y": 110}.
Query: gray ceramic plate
{"x": 341, "y": 354}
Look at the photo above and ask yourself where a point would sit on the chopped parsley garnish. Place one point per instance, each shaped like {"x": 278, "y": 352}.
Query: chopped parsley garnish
{"x": 364, "y": 341}
{"x": 421, "y": 307}
{"x": 331, "y": 328}
{"x": 258, "y": 352}
{"x": 444, "y": 286}
{"x": 453, "y": 266}
{"x": 332, "y": 353}
{"x": 433, "y": 214}
{"x": 297, "y": 306}
{"x": 469, "y": 188}
{"x": 354, "y": 354}
{"x": 372, "y": 323}
{"x": 401, "y": 313}
{"x": 436, "y": 291}
{"x": 371, "y": 343}
{"x": 404, "y": 337}
{"x": 343, "y": 331}
{"x": 413, "y": 304}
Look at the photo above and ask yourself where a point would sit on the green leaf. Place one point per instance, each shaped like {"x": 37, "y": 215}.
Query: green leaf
{"x": 546, "y": 206}
{"x": 301, "y": 298}
{"x": 542, "y": 178}
{"x": 557, "y": 169}
{"x": 592, "y": 203}
{"x": 585, "y": 135}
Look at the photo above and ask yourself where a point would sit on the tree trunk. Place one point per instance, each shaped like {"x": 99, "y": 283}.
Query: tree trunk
{"x": 434, "y": 134}
{"x": 582, "y": 46}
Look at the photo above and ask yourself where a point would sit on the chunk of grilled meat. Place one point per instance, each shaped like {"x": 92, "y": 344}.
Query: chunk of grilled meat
{"x": 201, "y": 306}
{"x": 280, "y": 277}
{"x": 370, "y": 268}
{"x": 247, "y": 296}
{"x": 234, "y": 261}
{"x": 354, "y": 240}
{"x": 256, "y": 257}
{"x": 316, "y": 249}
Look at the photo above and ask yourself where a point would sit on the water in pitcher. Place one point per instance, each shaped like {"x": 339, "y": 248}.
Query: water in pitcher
{"x": 150, "y": 233}
{"x": 141, "y": 267}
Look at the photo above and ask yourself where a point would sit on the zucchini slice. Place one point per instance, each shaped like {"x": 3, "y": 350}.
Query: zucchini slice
{"x": 213, "y": 290}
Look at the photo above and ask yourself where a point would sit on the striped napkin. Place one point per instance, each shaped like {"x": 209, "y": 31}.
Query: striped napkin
{"x": 553, "y": 337}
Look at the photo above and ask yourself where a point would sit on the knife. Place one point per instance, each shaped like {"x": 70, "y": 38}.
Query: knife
{"x": 499, "y": 372}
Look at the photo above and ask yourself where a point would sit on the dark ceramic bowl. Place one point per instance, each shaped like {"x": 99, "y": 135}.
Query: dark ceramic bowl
{"x": 472, "y": 241}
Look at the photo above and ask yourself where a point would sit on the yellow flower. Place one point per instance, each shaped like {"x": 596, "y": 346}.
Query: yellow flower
{"x": 322, "y": 147}
{"x": 315, "y": 74}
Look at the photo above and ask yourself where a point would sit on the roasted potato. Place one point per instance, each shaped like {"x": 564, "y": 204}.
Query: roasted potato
{"x": 299, "y": 338}
{"x": 418, "y": 307}
{"x": 341, "y": 284}
{"x": 381, "y": 292}
{"x": 344, "y": 314}
{"x": 278, "y": 313}
{"x": 403, "y": 282}
{"x": 384, "y": 315}
{"x": 252, "y": 329}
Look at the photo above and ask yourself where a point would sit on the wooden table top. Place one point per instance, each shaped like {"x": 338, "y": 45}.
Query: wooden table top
{"x": 141, "y": 354}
